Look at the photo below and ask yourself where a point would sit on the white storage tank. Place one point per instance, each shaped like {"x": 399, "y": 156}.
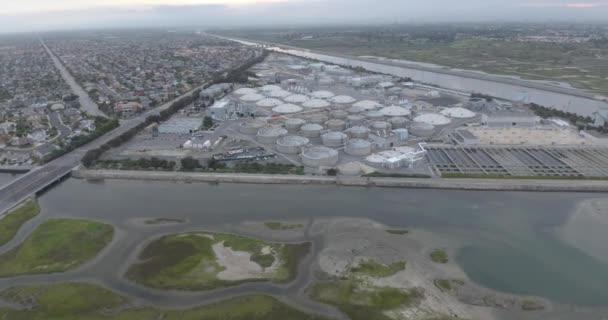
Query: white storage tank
{"x": 374, "y": 115}
{"x": 354, "y": 120}
{"x": 334, "y": 139}
{"x": 294, "y": 124}
{"x": 270, "y": 135}
{"x": 398, "y": 122}
{"x": 380, "y": 125}
{"x": 358, "y": 132}
{"x": 251, "y": 126}
{"x": 338, "y": 114}
{"x": 291, "y": 144}
{"x": 318, "y": 118}
{"x": 422, "y": 129}
{"x": 335, "y": 125}
{"x": 358, "y": 147}
{"x": 316, "y": 157}
{"x": 311, "y": 130}
{"x": 355, "y": 110}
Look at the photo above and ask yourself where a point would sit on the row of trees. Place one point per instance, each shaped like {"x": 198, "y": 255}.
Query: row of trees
{"x": 545, "y": 113}
{"x": 143, "y": 163}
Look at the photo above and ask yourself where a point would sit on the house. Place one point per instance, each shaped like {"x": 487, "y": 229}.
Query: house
{"x": 128, "y": 109}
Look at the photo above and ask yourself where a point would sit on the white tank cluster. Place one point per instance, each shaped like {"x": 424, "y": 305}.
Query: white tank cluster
{"x": 311, "y": 130}
{"x": 251, "y": 126}
{"x": 316, "y": 157}
{"x": 297, "y": 98}
{"x": 245, "y": 91}
{"x": 287, "y": 108}
{"x": 395, "y": 111}
{"x": 335, "y": 125}
{"x": 398, "y": 122}
{"x": 343, "y": 99}
{"x": 358, "y": 132}
{"x": 432, "y": 118}
{"x": 316, "y": 104}
{"x": 358, "y": 147}
{"x": 322, "y": 94}
{"x": 422, "y": 129}
{"x": 269, "y": 103}
{"x": 270, "y": 135}
{"x": 334, "y": 139}
{"x": 252, "y": 97}
{"x": 294, "y": 124}
{"x": 291, "y": 144}
{"x": 457, "y": 113}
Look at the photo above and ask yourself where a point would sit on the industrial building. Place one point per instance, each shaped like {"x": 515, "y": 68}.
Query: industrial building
{"x": 502, "y": 119}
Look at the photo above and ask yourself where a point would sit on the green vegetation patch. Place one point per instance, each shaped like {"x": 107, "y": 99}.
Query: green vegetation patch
{"x": 364, "y": 302}
{"x": 14, "y": 219}
{"x": 282, "y": 226}
{"x": 531, "y": 305}
{"x": 378, "y": 270}
{"x": 439, "y": 256}
{"x": 81, "y": 301}
{"x": 397, "y": 231}
{"x": 188, "y": 261}
{"x": 56, "y": 245}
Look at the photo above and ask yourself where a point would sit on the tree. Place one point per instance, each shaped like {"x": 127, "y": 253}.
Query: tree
{"x": 190, "y": 164}
{"x": 207, "y": 122}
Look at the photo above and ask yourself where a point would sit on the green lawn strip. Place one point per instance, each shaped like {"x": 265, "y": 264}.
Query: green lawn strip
{"x": 56, "y": 245}
{"x": 14, "y": 219}
{"x": 81, "y": 301}
{"x": 397, "y": 231}
{"x": 378, "y": 270}
{"x": 188, "y": 262}
{"x": 364, "y": 302}
{"x": 439, "y": 256}
{"x": 447, "y": 285}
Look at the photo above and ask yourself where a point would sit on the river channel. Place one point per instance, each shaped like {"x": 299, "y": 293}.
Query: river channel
{"x": 508, "y": 238}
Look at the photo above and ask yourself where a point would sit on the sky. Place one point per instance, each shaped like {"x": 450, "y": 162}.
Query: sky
{"x": 43, "y": 15}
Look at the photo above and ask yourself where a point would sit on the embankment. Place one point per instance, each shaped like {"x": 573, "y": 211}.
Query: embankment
{"x": 457, "y": 184}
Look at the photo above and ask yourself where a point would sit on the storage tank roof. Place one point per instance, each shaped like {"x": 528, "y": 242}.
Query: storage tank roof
{"x": 287, "y": 108}
{"x": 319, "y": 153}
{"x": 367, "y": 104}
{"x": 252, "y": 97}
{"x": 312, "y": 127}
{"x": 335, "y": 135}
{"x": 244, "y": 91}
{"x": 458, "y": 113}
{"x": 322, "y": 94}
{"x": 343, "y": 99}
{"x": 270, "y": 87}
{"x": 279, "y": 93}
{"x": 293, "y": 141}
{"x": 359, "y": 143}
{"x": 269, "y": 102}
{"x": 316, "y": 104}
{"x": 432, "y": 118}
{"x": 295, "y": 121}
{"x": 395, "y": 111}
{"x": 297, "y": 98}
{"x": 272, "y": 131}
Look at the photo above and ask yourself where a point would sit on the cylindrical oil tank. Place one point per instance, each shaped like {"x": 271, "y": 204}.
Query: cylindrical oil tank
{"x": 358, "y": 132}
{"x": 251, "y": 126}
{"x": 270, "y": 134}
{"x": 318, "y": 118}
{"x": 381, "y": 125}
{"x": 398, "y": 122}
{"x": 316, "y": 157}
{"x": 311, "y": 130}
{"x": 335, "y": 125}
{"x": 355, "y": 110}
{"x": 422, "y": 129}
{"x": 294, "y": 124}
{"x": 402, "y": 134}
{"x": 334, "y": 139}
{"x": 354, "y": 120}
{"x": 374, "y": 115}
{"x": 291, "y": 144}
{"x": 358, "y": 147}
{"x": 338, "y": 114}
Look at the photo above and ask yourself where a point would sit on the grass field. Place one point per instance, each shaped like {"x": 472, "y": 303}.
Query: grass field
{"x": 14, "y": 219}
{"x": 378, "y": 270}
{"x": 439, "y": 256}
{"x": 81, "y": 301}
{"x": 188, "y": 261}
{"x": 56, "y": 245}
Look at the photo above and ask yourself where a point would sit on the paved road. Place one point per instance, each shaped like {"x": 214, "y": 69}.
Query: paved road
{"x": 86, "y": 103}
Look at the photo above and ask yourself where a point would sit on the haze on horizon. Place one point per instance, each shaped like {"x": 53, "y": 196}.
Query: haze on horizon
{"x": 44, "y": 15}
